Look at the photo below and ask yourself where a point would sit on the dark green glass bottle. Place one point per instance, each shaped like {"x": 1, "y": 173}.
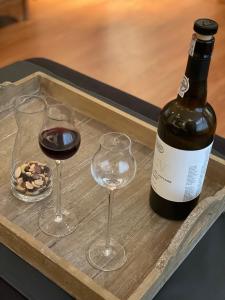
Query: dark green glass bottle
{"x": 185, "y": 133}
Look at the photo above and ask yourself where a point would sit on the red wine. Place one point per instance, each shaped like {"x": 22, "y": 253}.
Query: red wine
{"x": 185, "y": 134}
{"x": 59, "y": 143}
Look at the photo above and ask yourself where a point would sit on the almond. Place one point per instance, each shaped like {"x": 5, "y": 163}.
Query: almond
{"x": 20, "y": 180}
{"x": 18, "y": 172}
{"x": 35, "y": 185}
{"x": 38, "y": 182}
{"x": 20, "y": 188}
{"x": 29, "y": 186}
{"x": 32, "y": 168}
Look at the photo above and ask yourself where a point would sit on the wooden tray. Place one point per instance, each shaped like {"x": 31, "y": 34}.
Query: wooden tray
{"x": 155, "y": 246}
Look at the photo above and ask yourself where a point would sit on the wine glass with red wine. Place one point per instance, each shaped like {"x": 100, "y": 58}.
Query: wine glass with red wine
{"x": 58, "y": 139}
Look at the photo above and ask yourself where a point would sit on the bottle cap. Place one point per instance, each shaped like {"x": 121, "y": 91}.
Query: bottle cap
{"x": 205, "y": 26}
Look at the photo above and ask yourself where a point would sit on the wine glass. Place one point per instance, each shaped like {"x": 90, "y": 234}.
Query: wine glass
{"x": 113, "y": 167}
{"x": 59, "y": 140}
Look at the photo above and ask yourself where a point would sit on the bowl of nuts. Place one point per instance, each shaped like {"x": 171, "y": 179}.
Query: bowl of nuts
{"x": 31, "y": 181}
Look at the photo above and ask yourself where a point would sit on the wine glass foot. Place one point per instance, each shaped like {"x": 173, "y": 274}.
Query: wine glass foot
{"x": 57, "y": 226}
{"x": 106, "y": 259}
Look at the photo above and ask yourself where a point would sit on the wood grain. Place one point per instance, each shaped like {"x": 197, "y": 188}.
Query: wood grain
{"x": 139, "y": 46}
{"x": 155, "y": 246}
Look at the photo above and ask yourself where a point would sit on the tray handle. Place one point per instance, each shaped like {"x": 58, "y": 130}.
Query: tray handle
{"x": 193, "y": 229}
{"x": 188, "y": 235}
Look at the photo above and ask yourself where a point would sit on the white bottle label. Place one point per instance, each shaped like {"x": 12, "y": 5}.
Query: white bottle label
{"x": 184, "y": 86}
{"x": 192, "y": 45}
{"x": 178, "y": 175}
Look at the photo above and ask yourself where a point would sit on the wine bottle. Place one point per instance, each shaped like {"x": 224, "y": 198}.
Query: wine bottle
{"x": 185, "y": 133}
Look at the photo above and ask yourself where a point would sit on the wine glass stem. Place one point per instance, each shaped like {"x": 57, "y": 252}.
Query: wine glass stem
{"x": 108, "y": 231}
{"x": 58, "y": 217}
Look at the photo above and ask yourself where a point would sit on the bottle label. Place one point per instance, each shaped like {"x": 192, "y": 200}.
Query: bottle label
{"x": 178, "y": 175}
{"x": 192, "y": 45}
{"x": 184, "y": 86}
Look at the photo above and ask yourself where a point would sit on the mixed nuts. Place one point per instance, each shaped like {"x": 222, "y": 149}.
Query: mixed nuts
{"x": 32, "y": 178}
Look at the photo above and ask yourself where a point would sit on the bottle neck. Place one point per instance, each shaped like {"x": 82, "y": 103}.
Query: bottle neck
{"x": 197, "y": 72}
{"x": 194, "y": 84}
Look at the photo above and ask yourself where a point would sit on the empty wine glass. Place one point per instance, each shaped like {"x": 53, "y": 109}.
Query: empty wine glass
{"x": 58, "y": 139}
{"x": 113, "y": 167}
